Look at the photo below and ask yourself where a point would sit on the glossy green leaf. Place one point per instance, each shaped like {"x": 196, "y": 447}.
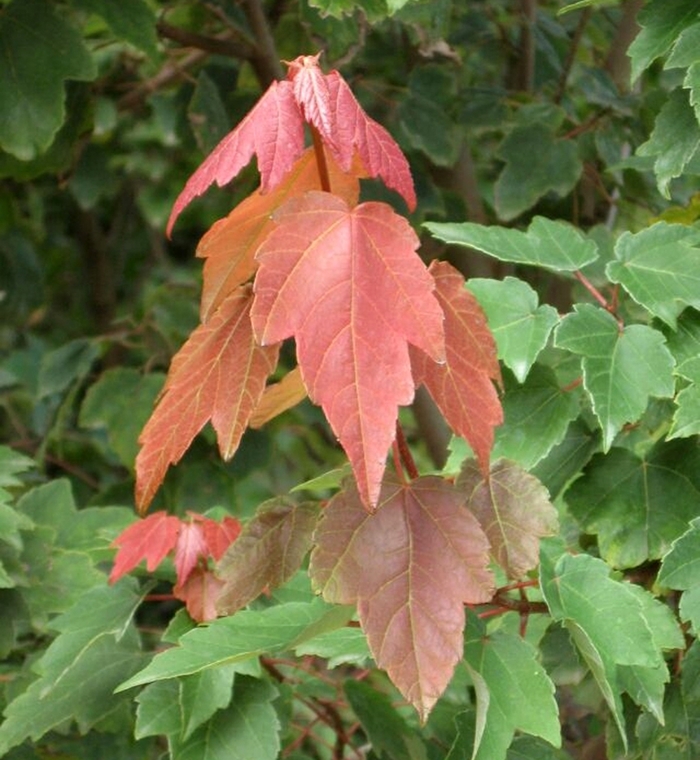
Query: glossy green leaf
{"x": 121, "y": 401}
{"x": 537, "y": 416}
{"x": 686, "y": 420}
{"x": 373, "y": 9}
{"x": 605, "y": 618}
{"x": 513, "y": 691}
{"x": 63, "y": 366}
{"x": 177, "y": 707}
{"x": 689, "y": 608}
{"x": 660, "y": 268}
{"x": 388, "y": 733}
{"x": 637, "y": 505}
{"x": 95, "y": 650}
{"x": 520, "y": 326}
{"x": 565, "y": 460}
{"x": 40, "y": 51}
{"x": 246, "y": 635}
{"x": 662, "y": 22}
{"x": 674, "y": 140}
{"x": 622, "y": 368}
{"x": 523, "y": 181}
{"x": 346, "y": 645}
{"x": 532, "y": 748}
{"x": 684, "y": 51}
{"x": 553, "y": 245}
{"x": 680, "y": 567}
{"x": 248, "y": 728}
{"x": 130, "y": 20}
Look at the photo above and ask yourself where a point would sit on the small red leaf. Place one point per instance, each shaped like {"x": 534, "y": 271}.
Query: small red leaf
{"x": 273, "y": 130}
{"x": 151, "y": 538}
{"x": 230, "y": 244}
{"x": 190, "y": 547}
{"x": 462, "y": 386}
{"x": 199, "y": 593}
{"x": 219, "y": 375}
{"x": 410, "y": 567}
{"x": 348, "y": 285}
{"x": 218, "y": 536}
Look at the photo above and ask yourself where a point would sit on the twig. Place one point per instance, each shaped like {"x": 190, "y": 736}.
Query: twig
{"x": 405, "y": 453}
{"x": 571, "y": 55}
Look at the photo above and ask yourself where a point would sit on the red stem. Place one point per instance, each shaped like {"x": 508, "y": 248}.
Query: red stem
{"x": 405, "y": 453}
{"x": 321, "y": 160}
{"x": 591, "y": 288}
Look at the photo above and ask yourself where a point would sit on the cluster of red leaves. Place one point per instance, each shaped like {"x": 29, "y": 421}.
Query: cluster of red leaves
{"x": 301, "y": 258}
{"x": 369, "y": 320}
{"x": 192, "y": 543}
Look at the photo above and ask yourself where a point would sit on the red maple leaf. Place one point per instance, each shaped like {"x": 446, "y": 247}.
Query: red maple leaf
{"x": 219, "y": 375}
{"x": 218, "y": 536}
{"x": 190, "y": 548}
{"x": 410, "y": 567}
{"x": 229, "y": 246}
{"x": 462, "y": 386}
{"x": 349, "y": 286}
{"x": 274, "y": 132}
{"x": 151, "y": 538}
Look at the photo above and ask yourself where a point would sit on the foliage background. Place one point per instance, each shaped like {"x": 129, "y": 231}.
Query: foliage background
{"x": 507, "y": 111}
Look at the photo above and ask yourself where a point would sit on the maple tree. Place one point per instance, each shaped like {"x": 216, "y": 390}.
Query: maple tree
{"x": 417, "y": 426}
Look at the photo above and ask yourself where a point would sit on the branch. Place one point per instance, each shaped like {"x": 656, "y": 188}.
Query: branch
{"x": 223, "y": 44}
{"x": 571, "y": 55}
{"x": 265, "y": 59}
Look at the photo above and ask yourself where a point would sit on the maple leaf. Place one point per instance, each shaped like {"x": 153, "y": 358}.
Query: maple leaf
{"x": 268, "y": 552}
{"x": 151, "y": 538}
{"x": 274, "y": 132}
{"x": 410, "y": 567}
{"x": 349, "y": 286}
{"x": 199, "y": 592}
{"x": 219, "y": 374}
{"x": 462, "y": 386}
{"x": 229, "y": 246}
{"x": 514, "y": 510}
{"x": 218, "y": 536}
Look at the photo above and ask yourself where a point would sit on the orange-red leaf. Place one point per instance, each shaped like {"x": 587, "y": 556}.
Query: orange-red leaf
{"x": 219, "y": 375}
{"x": 151, "y": 539}
{"x": 230, "y": 244}
{"x": 462, "y": 386}
{"x": 410, "y": 566}
{"x": 279, "y": 397}
{"x": 349, "y": 286}
{"x": 269, "y": 551}
{"x": 199, "y": 594}
{"x": 273, "y": 130}
{"x": 514, "y": 510}
{"x": 219, "y": 535}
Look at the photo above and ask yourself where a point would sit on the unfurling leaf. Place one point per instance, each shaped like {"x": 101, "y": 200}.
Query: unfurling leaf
{"x": 218, "y": 375}
{"x": 268, "y": 552}
{"x": 514, "y": 511}
{"x": 410, "y": 566}
{"x": 348, "y": 285}
{"x": 462, "y": 386}
{"x": 274, "y": 132}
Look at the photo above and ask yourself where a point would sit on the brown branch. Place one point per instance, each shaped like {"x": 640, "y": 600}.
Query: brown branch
{"x": 223, "y": 44}
{"x": 571, "y": 55}
{"x": 265, "y": 59}
{"x": 617, "y": 63}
